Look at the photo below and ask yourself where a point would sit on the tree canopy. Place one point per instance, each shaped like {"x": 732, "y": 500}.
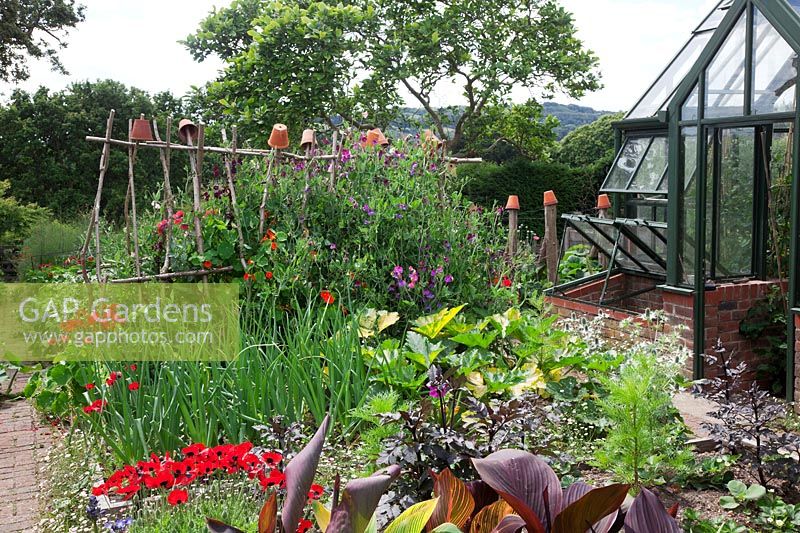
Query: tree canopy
{"x": 590, "y": 143}
{"x": 326, "y": 59}
{"x": 34, "y": 28}
{"x": 46, "y": 158}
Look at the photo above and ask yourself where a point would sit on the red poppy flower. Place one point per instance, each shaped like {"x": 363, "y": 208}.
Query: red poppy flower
{"x": 275, "y": 478}
{"x": 95, "y": 407}
{"x": 89, "y": 386}
{"x": 133, "y": 385}
{"x": 327, "y": 297}
{"x": 506, "y": 282}
{"x": 193, "y": 450}
{"x": 268, "y": 274}
{"x": 133, "y": 368}
{"x": 305, "y": 525}
{"x": 100, "y": 490}
{"x": 177, "y": 497}
{"x": 163, "y": 479}
{"x": 272, "y": 459}
{"x": 129, "y": 491}
{"x": 207, "y": 264}
{"x": 316, "y": 492}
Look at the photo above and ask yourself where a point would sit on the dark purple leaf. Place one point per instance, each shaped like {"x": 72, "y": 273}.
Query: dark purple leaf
{"x": 647, "y": 515}
{"x": 483, "y": 494}
{"x": 359, "y": 500}
{"x": 595, "y": 508}
{"x": 526, "y": 482}
{"x": 215, "y": 526}
{"x": 510, "y": 524}
{"x": 299, "y": 477}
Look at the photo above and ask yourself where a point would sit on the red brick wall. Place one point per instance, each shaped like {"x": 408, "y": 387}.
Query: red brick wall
{"x": 725, "y": 307}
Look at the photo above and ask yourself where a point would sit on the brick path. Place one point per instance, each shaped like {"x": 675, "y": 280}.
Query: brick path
{"x": 23, "y": 445}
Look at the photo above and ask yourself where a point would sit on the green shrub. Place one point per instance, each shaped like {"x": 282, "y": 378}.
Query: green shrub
{"x": 490, "y": 185}
{"x": 50, "y": 241}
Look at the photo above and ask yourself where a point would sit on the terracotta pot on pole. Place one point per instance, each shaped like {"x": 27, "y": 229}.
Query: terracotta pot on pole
{"x": 375, "y": 137}
{"x": 308, "y": 140}
{"x": 187, "y": 131}
{"x": 279, "y": 138}
{"x": 141, "y": 131}
{"x": 549, "y": 252}
{"x": 512, "y": 206}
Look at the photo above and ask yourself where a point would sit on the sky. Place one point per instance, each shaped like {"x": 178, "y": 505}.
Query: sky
{"x": 135, "y": 42}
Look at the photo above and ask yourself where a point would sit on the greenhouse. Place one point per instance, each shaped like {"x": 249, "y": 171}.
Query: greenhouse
{"x": 705, "y": 195}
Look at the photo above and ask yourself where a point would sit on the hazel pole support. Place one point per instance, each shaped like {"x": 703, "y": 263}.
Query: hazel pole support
{"x": 232, "y": 189}
{"x": 94, "y": 221}
{"x": 512, "y": 206}
{"x": 132, "y": 188}
{"x": 550, "y": 246}
{"x": 262, "y": 209}
{"x": 196, "y": 180}
{"x": 165, "y": 164}
{"x": 172, "y": 275}
{"x": 335, "y": 154}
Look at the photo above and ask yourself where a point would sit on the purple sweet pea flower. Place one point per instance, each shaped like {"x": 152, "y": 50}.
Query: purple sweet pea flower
{"x": 448, "y": 279}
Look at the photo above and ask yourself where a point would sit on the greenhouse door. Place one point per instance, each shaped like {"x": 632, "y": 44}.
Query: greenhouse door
{"x": 734, "y": 207}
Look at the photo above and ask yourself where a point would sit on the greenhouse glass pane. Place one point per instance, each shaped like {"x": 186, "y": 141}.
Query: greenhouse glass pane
{"x": 661, "y": 92}
{"x": 652, "y": 168}
{"x": 688, "y": 199}
{"x": 736, "y": 186}
{"x": 795, "y": 4}
{"x": 775, "y": 69}
{"x": 725, "y": 75}
{"x": 691, "y": 106}
{"x": 716, "y": 16}
{"x": 628, "y": 160}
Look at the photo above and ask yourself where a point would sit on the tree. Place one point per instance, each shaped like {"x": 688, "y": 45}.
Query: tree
{"x": 45, "y": 156}
{"x": 320, "y": 58}
{"x": 502, "y": 132}
{"x": 34, "y": 28}
{"x": 590, "y": 143}
{"x": 16, "y": 219}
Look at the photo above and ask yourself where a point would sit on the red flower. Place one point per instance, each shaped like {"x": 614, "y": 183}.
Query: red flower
{"x": 275, "y": 478}
{"x": 305, "y": 525}
{"x": 274, "y": 245}
{"x": 177, "y": 497}
{"x": 207, "y": 264}
{"x": 133, "y": 368}
{"x": 133, "y": 385}
{"x": 190, "y": 452}
{"x": 89, "y": 386}
{"x": 184, "y": 227}
{"x": 506, "y": 282}
{"x": 247, "y": 276}
{"x": 268, "y": 274}
{"x": 316, "y": 492}
{"x": 327, "y": 297}
{"x": 272, "y": 459}
{"x": 95, "y": 407}
{"x": 163, "y": 479}
{"x": 100, "y": 490}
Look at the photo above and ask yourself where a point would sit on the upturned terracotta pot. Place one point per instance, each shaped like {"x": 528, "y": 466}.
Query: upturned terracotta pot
{"x": 308, "y": 139}
{"x": 279, "y": 138}
{"x": 550, "y": 198}
{"x": 374, "y": 137}
{"x": 187, "y": 128}
{"x": 603, "y": 202}
{"x": 141, "y": 131}
{"x": 513, "y": 203}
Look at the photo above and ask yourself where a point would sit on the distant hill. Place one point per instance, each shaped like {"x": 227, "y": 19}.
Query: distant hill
{"x": 569, "y": 115}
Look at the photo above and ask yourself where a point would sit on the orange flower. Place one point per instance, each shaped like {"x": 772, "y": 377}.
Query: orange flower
{"x": 274, "y": 245}
{"x": 327, "y": 297}
{"x": 268, "y": 236}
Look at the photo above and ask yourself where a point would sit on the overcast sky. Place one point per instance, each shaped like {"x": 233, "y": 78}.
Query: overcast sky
{"x": 135, "y": 42}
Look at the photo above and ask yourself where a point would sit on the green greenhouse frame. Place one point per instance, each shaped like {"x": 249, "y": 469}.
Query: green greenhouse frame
{"x": 691, "y": 181}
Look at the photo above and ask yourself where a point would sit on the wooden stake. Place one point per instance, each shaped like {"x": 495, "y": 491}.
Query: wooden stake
{"x": 550, "y": 244}
{"x": 132, "y": 188}
{"x": 335, "y": 154}
{"x": 262, "y": 209}
{"x": 95, "y": 218}
{"x": 165, "y": 164}
{"x": 237, "y": 217}
{"x": 513, "y": 221}
{"x": 197, "y": 177}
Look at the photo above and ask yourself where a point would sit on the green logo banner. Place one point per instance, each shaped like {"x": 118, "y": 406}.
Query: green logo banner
{"x": 119, "y": 322}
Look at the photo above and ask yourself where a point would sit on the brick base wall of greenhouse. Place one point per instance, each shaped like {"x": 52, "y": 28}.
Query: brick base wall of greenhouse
{"x": 726, "y": 306}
